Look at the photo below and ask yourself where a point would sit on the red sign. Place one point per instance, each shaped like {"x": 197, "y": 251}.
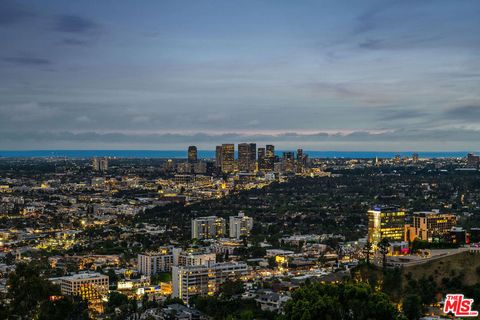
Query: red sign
{"x": 459, "y": 306}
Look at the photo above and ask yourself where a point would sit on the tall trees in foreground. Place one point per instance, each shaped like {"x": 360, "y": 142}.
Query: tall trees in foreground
{"x": 345, "y": 301}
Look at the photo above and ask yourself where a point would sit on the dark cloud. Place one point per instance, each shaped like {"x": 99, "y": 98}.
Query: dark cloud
{"x": 74, "y": 24}
{"x": 467, "y": 113}
{"x": 28, "y": 61}
{"x": 74, "y": 42}
{"x": 399, "y": 115}
{"x": 11, "y": 13}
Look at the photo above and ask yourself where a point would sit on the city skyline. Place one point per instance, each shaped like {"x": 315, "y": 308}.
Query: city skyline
{"x": 375, "y": 75}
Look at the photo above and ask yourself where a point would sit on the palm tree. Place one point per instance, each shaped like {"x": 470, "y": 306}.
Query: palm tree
{"x": 383, "y": 246}
{"x": 367, "y": 250}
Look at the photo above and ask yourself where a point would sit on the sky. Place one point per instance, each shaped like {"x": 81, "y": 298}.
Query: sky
{"x": 322, "y": 75}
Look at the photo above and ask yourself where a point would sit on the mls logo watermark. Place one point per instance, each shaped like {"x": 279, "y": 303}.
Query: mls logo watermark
{"x": 459, "y": 306}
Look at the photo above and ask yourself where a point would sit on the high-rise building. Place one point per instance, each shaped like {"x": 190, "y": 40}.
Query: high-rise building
{"x": 218, "y": 156}
{"x": 151, "y": 263}
{"x": 270, "y": 157}
{"x": 192, "y": 154}
{"x": 208, "y": 227}
{"x": 301, "y": 161}
{"x": 385, "y": 222}
{"x": 240, "y": 226}
{"x": 261, "y": 159}
{"x": 228, "y": 157}
{"x": 415, "y": 158}
{"x": 429, "y": 225}
{"x": 100, "y": 164}
{"x": 243, "y": 157}
{"x": 288, "y": 162}
{"x": 204, "y": 280}
{"x": 252, "y": 160}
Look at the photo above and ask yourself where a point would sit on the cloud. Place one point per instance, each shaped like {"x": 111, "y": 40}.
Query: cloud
{"x": 466, "y": 113}
{"x": 27, "y": 61}
{"x": 74, "y": 42}
{"x": 426, "y": 140}
{"x": 11, "y": 13}
{"x": 74, "y": 24}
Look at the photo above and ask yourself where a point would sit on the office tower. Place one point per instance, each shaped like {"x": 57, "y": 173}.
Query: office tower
{"x": 204, "y": 280}
{"x": 301, "y": 161}
{"x": 429, "y": 225}
{"x": 89, "y": 286}
{"x": 100, "y": 164}
{"x": 261, "y": 159}
{"x": 288, "y": 162}
{"x": 192, "y": 154}
{"x": 415, "y": 157}
{"x": 252, "y": 160}
{"x": 385, "y": 222}
{"x": 151, "y": 263}
{"x": 228, "y": 157}
{"x": 240, "y": 226}
{"x": 270, "y": 157}
{"x": 95, "y": 164}
{"x": 218, "y": 156}
{"x": 243, "y": 157}
{"x": 208, "y": 227}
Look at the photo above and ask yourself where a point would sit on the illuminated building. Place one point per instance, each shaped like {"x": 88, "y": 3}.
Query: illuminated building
{"x": 228, "y": 157}
{"x": 429, "y": 225}
{"x": 458, "y": 236}
{"x": 288, "y": 162}
{"x": 385, "y": 222}
{"x": 262, "y": 165}
{"x": 270, "y": 157}
{"x": 240, "y": 226}
{"x": 252, "y": 161}
{"x": 151, "y": 263}
{"x": 243, "y": 157}
{"x": 89, "y": 286}
{"x": 204, "y": 280}
{"x": 192, "y": 154}
{"x": 165, "y": 258}
{"x": 208, "y": 227}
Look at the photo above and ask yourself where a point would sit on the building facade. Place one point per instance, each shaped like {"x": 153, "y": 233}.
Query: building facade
{"x": 385, "y": 222}
{"x": 430, "y": 225}
{"x": 240, "y": 226}
{"x": 208, "y": 227}
{"x": 204, "y": 280}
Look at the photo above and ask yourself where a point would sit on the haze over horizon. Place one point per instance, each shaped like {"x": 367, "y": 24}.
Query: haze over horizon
{"x": 329, "y": 75}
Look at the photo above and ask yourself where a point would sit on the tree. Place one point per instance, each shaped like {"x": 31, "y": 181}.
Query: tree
{"x": 343, "y": 301}
{"x": 30, "y": 293}
{"x": 412, "y": 306}
{"x": 367, "y": 250}
{"x": 383, "y": 246}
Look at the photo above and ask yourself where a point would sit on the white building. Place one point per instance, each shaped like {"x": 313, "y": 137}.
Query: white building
{"x": 165, "y": 258}
{"x": 240, "y": 226}
{"x": 204, "y": 280}
{"x": 89, "y": 286}
{"x": 208, "y": 227}
{"x": 150, "y": 263}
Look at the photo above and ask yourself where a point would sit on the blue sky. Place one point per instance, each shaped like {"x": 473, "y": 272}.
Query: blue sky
{"x": 323, "y": 75}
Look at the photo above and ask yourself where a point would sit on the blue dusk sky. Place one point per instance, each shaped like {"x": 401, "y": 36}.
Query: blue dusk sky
{"x": 322, "y": 75}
